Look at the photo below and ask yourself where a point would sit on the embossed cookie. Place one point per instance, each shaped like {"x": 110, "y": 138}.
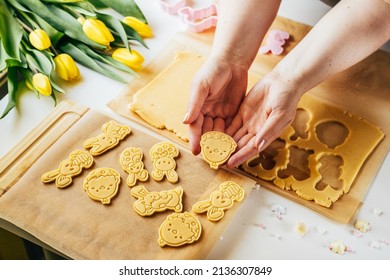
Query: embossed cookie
{"x": 179, "y": 229}
{"x": 217, "y": 147}
{"x": 219, "y": 201}
{"x": 163, "y": 155}
{"x": 112, "y": 134}
{"x": 150, "y": 202}
{"x": 131, "y": 162}
{"x": 69, "y": 168}
{"x": 102, "y": 184}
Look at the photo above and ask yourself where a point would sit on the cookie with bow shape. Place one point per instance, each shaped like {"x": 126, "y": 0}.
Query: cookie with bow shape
{"x": 112, "y": 134}
{"x": 219, "y": 201}
{"x": 163, "y": 155}
{"x": 150, "y": 202}
{"x": 131, "y": 162}
{"x": 68, "y": 168}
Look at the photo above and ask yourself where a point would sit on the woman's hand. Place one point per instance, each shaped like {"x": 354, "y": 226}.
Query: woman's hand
{"x": 216, "y": 94}
{"x": 265, "y": 112}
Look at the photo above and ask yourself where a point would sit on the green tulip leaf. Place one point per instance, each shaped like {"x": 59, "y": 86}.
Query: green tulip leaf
{"x": 12, "y": 83}
{"x": 125, "y": 8}
{"x": 11, "y": 32}
{"x": 82, "y": 58}
{"x": 115, "y": 24}
{"x": 60, "y": 20}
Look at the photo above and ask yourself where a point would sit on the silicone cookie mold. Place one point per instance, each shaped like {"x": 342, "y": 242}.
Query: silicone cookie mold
{"x": 179, "y": 229}
{"x": 217, "y": 147}
{"x": 219, "y": 201}
{"x": 150, "y": 202}
{"x": 102, "y": 184}
{"x": 163, "y": 155}
{"x": 131, "y": 162}
{"x": 112, "y": 134}
{"x": 68, "y": 168}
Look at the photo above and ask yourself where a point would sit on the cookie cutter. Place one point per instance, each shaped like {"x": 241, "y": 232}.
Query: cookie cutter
{"x": 171, "y": 6}
{"x": 274, "y": 42}
{"x": 196, "y": 20}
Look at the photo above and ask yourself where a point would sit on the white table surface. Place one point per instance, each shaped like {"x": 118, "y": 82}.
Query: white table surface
{"x": 255, "y": 232}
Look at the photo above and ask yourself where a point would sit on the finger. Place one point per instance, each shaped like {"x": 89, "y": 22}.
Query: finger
{"x": 208, "y": 124}
{"x": 219, "y": 124}
{"x": 195, "y": 133}
{"x": 198, "y": 93}
{"x": 234, "y": 126}
{"x": 271, "y": 129}
{"x": 244, "y": 140}
{"x": 240, "y": 133}
{"x": 242, "y": 155}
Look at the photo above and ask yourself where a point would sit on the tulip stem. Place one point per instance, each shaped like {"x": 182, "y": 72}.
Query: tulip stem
{"x": 25, "y": 26}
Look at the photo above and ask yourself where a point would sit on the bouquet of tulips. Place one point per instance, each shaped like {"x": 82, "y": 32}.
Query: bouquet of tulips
{"x": 40, "y": 40}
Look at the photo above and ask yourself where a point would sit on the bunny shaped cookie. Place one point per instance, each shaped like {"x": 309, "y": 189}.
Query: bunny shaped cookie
{"x": 68, "y": 168}
{"x": 219, "y": 201}
{"x": 112, "y": 134}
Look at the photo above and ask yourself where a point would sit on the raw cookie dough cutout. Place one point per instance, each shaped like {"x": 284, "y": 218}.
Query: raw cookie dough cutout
{"x": 217, "y": 147}
{"x": 179, "y": 229}
{"x": 219, "y": 201}
{"x": 320, "y": 156}
{"x": 150, "y": 202}
{"x": 131, "y": 162}
{"x": 112, "y": 134}
{"x": 68, "y": 168}
{"x": 163, "y": 155}
{"x": 102, "y": 184}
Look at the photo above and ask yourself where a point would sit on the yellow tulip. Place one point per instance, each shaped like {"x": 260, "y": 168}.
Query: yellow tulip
{"x": 42, "y": 84}
{"x": 39, "y": 39}
{"x": 97, "y": 31}
{"x": 132, "y": 58}
{"x": 66, "y": 68}
{"x": 139, "y": 26}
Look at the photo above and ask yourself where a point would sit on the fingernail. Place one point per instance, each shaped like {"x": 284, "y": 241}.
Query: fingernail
{"x": 261, "y": 145}
{"x": 185, "y": 118}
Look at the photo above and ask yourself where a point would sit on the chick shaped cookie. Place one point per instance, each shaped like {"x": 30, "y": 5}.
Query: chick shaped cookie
{"x": 131, "y": 162}
{"x": 150, "y": 202}
{"x": 217, "y": 147}
{"x": 163, "y": 155}
{"x": 179, "y": 229}
{"x": 102, "y": 184}
{"x": 219, "y": 201}
{"x": 68, "y": 168}
{"x": 112, "y": 134}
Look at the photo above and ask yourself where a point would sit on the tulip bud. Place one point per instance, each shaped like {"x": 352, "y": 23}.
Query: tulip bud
{"x": 97, "y": 31}
{"x": 139, "y": 26}
{"x": 132, "y": 58}
{"x": 39, "y": 39}
{"x": 42, "y": 84}
{"x": 66, "y": 68}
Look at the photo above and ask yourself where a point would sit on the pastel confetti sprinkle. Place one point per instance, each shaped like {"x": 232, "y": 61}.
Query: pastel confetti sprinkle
{"x": 279, "y": 209}
{"x": 357, "y": 233}
{"x": 301, "y": 229}
{"x": 375, "y": 245}
{"x": 362, "y": 226}
{"x": 377, "y": 212}
{"x": 338, "y": 247}
{"x": 321, "y": 231}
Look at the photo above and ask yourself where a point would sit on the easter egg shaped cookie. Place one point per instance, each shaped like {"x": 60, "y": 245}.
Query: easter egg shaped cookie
{"x": 217, "y": 147}
{"x": 102, "y": 184}
{"x": 179, "y": 229}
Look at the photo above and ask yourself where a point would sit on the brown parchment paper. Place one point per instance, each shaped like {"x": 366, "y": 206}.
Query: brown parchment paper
{"x": 363, "y": 90}
{"x": 73, "y": 224}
